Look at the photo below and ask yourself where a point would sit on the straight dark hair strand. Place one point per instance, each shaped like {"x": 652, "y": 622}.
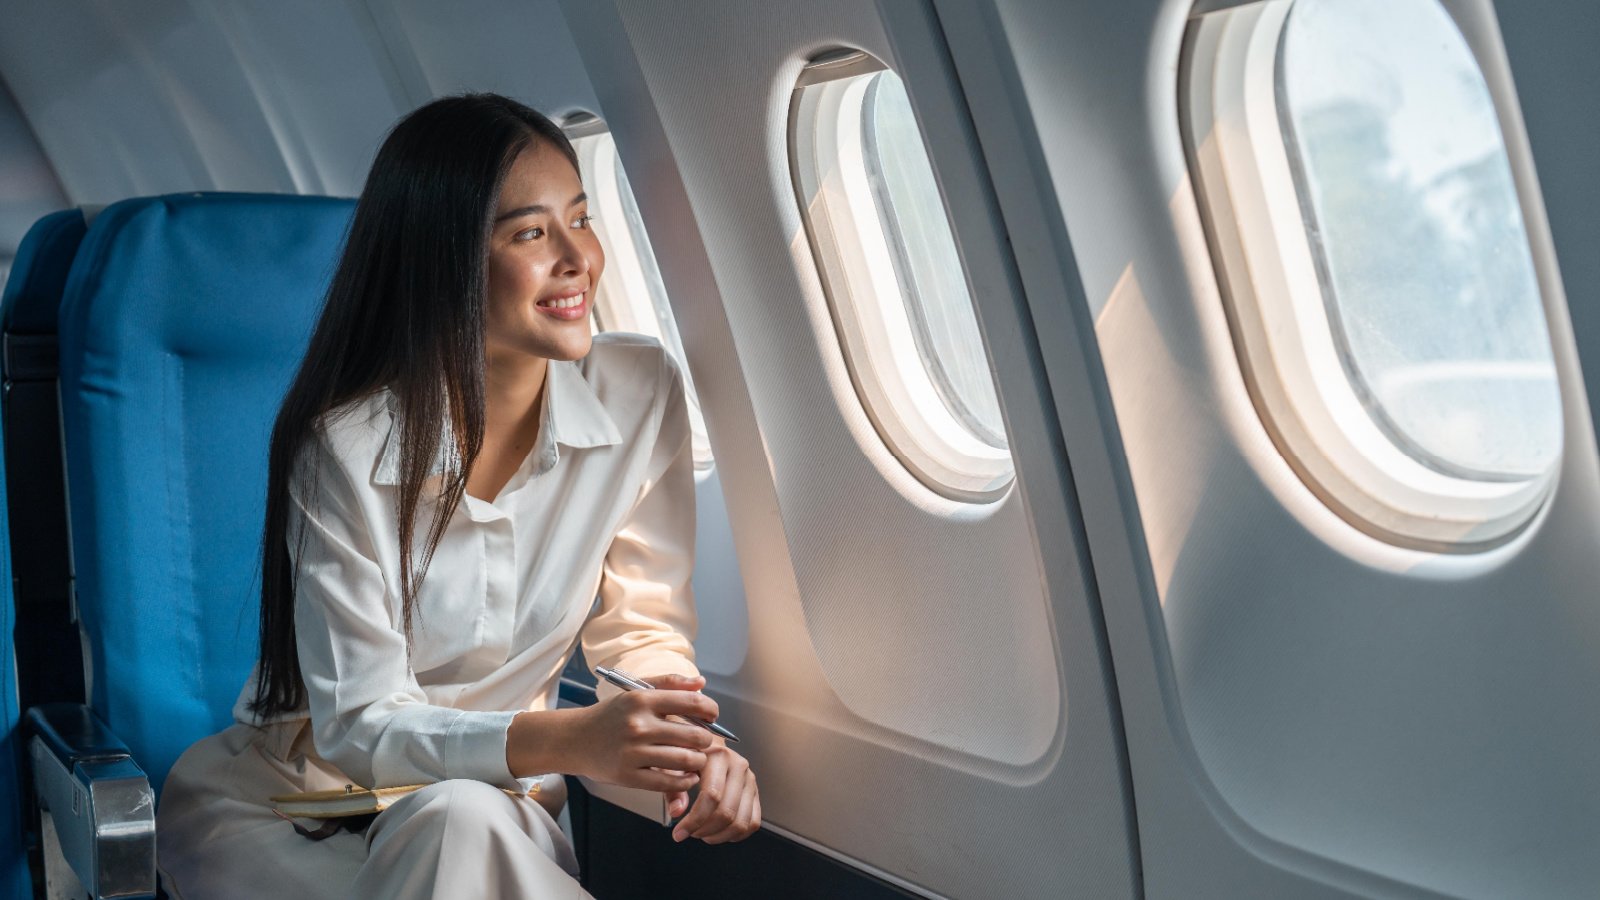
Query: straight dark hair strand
{"x": 405, "y": 311}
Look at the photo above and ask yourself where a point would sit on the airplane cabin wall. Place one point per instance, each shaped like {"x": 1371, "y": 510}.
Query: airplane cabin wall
{"x": 1550, "y": 47}
{"x": 895, "y": 669}
{"x": 1309, "y": 711}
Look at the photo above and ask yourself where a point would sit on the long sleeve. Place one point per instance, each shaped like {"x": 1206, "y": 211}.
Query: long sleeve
{"x": 369, "y": 714}
{"x": 646, "y": 617}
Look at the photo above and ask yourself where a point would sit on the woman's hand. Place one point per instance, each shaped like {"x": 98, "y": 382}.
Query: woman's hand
{"x": 627, "y": 739}
{"x": 728, "y": 807}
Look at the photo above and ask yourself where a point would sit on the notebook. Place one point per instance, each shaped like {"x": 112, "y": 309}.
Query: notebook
{"x": 351, "y": 801}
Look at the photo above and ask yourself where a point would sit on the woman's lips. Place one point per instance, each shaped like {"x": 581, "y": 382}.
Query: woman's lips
{"x": 567, "y": 313}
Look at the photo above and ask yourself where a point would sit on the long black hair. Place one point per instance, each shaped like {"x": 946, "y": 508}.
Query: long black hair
{"x": 405, "y": 312}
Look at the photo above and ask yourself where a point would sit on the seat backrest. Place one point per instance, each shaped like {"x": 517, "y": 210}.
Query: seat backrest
{"x": 39, "y": 273}
{"x": 182, "y": 323}
{"x": 14, "y": 878}
{"x": 48, "y": 660}
{"x": 38, "y": 642}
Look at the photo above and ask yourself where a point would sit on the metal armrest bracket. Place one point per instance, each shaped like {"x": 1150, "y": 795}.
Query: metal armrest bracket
{"x": 99, "y": 801}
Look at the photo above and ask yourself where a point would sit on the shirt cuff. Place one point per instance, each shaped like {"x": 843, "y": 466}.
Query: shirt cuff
{"x": 475, "y": 747}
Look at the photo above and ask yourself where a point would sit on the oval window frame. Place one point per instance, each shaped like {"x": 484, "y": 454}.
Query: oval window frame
{"x": 1251, "y": 207}
{"x": 887, "y": 371}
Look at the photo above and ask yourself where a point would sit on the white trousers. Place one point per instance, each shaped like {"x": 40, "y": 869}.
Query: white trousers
{"x": 218, "y": 839}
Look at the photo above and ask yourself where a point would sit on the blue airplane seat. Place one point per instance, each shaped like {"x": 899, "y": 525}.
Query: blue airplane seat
{"x": 15, "y": 883}
{"x": 182, "y": 322}
{"x": 38, "y": 643}
{"x": 39, "y": 273}
{"x": 47, "y": 656}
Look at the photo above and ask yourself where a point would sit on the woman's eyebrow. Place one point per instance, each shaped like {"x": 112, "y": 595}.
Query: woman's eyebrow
{"x": 537, "y": 210}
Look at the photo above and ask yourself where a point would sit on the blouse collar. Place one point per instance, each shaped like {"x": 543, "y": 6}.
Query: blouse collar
{"x": 573, "y": 416}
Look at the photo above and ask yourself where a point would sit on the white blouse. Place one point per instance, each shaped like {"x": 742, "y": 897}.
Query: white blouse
{"x": 602, "y": 506}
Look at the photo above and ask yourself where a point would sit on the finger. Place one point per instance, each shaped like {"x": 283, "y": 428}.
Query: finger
{"x": 658, "y": 781}
{"x": 644, "y": 726}
{"x": 680, "y": 703}
{"x": 677, "y": 802}
{"x": 677, "y": 682}
{"x": 728, "y": 809}
{"x": 658, "y": 756}
{"x": 713, "y": 780}
{"x": 676, "y": 733}
{"x": 745, "y": 822}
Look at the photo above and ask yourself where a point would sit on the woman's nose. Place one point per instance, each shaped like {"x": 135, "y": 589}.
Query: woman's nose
{"x": 573, "y": 259}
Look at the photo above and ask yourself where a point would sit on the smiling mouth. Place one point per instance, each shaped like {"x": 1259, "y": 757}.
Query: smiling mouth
{"x": 568, "y": 307}
{"x": 562, "y": 302}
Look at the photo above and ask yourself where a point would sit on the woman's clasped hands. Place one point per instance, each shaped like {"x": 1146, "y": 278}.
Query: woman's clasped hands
{"x": 636, "y": 739}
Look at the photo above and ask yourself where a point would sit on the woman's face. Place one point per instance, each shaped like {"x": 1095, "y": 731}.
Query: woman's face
{"x": 544, "y": 261}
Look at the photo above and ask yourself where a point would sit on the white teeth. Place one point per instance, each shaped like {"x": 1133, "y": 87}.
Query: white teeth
{"x": 568, "y": 303}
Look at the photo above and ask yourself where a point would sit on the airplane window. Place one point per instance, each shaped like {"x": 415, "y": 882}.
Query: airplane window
{"x": 927, "y": 264}
{"x": 893, "y": 277}
{"x": 1414, "y": 220}
{"x": 1368, "y": 232}
{"x": 632, "y": 296}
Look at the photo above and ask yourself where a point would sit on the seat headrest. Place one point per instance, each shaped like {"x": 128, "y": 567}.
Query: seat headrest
{"x": 39, "y": 273}
{"x": 195, "y": 271}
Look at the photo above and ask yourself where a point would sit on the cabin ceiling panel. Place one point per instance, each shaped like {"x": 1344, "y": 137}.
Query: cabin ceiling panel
{"x": 520, "y": 48}
{"x": 28, "y": 186}
{"x": 173, "y": 96}
{"x": 291, "y": 96}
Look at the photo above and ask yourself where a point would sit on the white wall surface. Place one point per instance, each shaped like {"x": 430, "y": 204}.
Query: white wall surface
{"x": 893, "y": 683}
{"x": 1308, "y": 711}
{"x": 1551, "y": 49}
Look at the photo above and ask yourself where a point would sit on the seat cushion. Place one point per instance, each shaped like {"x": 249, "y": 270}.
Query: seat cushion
{"x": 181, "y": 326}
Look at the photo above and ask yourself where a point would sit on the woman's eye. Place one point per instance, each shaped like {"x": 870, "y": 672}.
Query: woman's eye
{"x": 582, "y": 221}
{"x": 530, "y": 234}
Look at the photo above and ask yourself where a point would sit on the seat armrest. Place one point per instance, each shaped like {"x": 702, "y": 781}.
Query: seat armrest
{"x": 575, "y": 693}
{"x": 99, "y": 800}
{"x": 73, "y": 733}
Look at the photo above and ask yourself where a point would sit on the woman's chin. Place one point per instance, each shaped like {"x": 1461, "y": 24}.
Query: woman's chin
{"x": 570, "y": 349}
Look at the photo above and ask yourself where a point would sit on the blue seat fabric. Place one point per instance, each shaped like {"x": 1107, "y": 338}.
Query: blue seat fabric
{"x": 14, "y": 879}
{"x": 48, "y": 657}
{"x": 181, "y": 326}
{"x": 39, "y": 273}
{"x": 28, "y": 306}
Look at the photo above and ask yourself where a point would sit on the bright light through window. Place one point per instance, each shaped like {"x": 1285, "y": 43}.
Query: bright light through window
{"x": 632, "y": 296}
{"x": 927, "y": 264}
{"x": 894, "y": 279}
{"x": 1366, "y": 222}
{"x": 1426, "y": 264}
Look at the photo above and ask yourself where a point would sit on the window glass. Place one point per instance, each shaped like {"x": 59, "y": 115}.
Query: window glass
{"x": 932, "y": 284}
{"x": 666, "y": 326}
{"x": 894, "y": 277}
{"x": 1418, "y": 236}
{"x": 632, "y": 296}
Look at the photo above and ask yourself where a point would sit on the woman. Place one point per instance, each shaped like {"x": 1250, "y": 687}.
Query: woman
{"x": 456, "y": 473}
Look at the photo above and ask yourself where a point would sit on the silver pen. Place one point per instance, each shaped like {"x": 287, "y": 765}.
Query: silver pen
{"x": 629, "y": 683}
